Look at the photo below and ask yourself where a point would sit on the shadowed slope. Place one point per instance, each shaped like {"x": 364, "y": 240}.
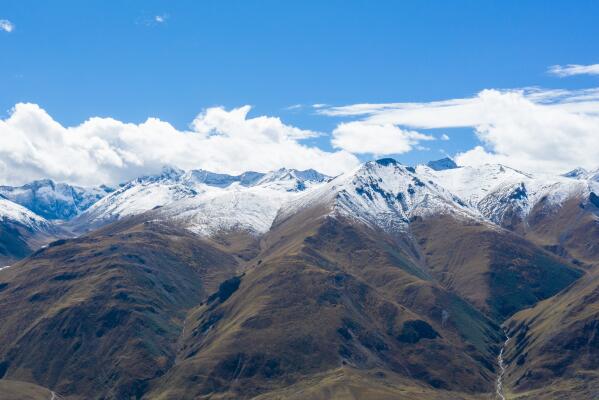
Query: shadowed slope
{"x": 497, "y": 271}
{"x": 22, "y": 232}
{"x": 556, "y": 343}
{"x": 555, "y": 347}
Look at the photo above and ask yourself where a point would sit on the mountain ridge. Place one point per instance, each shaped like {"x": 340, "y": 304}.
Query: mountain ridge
{"x": 192, "y": 285}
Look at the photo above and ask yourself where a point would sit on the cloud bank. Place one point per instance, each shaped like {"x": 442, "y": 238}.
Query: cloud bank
{"x": 536, "y": 130}
{"x": 574, "y": 69}
{"x": 532, "y": 129}
{"x": 103, "y": 150}
{"x": 363, "y": 137}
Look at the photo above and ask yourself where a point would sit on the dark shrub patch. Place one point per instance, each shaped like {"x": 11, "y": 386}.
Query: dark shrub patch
{"x": 65, "y": 277}
{"x": 226, "y": 289}
{"x": 3, "y": 368}
{"x": 413, "y": 331}
{"x": 111, "y": 319}
{"x": 386, "y": 162}
{"x": 56, "y": 243}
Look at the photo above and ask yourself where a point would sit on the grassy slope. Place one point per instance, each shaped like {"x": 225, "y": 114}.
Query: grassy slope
{"x": 326, "y": 309}
{"x": 556, "y": 343}
{"x": 497, "y": 271}
{"x": 325, "y": 295}
{"x": 349, "y": 384}
{"x": 100, "y": 315}
{"x": 16, "y": 390}
{"x": 555, "y": 347}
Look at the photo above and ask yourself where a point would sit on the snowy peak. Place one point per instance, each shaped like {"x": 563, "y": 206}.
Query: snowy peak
{"x": 593, "y": 175}
{"x": 389, "y": 194}
{"x": 472, "y": 184}
{"x": 138, "y": 196}
{"x": 292, "y": 180}
{"x": 167, "y": 174}
{"x": 505, "y": 195}
{"x": 577, "y": 173}
{"x": 13, "y": 213}
{"x": 442, "y": 164}
{"x": 54, "y": 201}
{"x": 383, "y": 194}
{"x": 200, "y": 176}
{"x": 286, "y": 179}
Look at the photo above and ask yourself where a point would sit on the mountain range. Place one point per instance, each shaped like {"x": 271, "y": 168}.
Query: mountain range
{"x": 386, "y": 282}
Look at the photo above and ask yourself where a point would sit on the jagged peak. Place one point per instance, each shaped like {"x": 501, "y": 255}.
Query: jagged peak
{"x": 167, "y": 173}
{"x": 292, "y": 179}
{"x": 577, "y": 173}
{"x": 384, "y": 164}
{"x": 387, "y": 161}
{"x": 442, "y": 164}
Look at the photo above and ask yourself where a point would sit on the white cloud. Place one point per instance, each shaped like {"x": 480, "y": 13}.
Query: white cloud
{"x": 6, "y": 25}
{"x": 362, "y": 137}
{"x": 444, "y": 137}
{"x": 532, "y": 129}
{"x": 574, "y": 69}
{"x": 103, "y": 150}
{"x": 160, "y": 18}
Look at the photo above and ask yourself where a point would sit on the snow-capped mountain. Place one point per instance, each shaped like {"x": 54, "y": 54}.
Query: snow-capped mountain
{"x": 502, "y": 193}
{"x": 387, "y": 195}
{"x": 22, "y": 231}
{"x": 13, "y": 213}
{"x": 200, "y": 176}
{"x": 54, "y": 201}
{"x": 291, "y": 180}
{"x": 383, "y": 194}
{"x": 578, "y": 173}
{"x": 205, "y": 202}
{"x": 250, "y": 209}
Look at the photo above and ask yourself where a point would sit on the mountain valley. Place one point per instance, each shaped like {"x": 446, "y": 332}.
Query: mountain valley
{"x": 386, "y": 282}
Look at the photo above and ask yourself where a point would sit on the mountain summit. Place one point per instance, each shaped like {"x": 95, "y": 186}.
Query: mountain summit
{"x": 442, "y": 164}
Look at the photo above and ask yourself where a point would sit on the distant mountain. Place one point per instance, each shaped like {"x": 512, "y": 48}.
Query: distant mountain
{"x": 203, "y": 201}
{"x": 576, "y": 173}
{"x": 54, "y": 201}
{"x": 21, "y": 231}
{"x": 505, "y": 195}
{"x": 442, "y": 164}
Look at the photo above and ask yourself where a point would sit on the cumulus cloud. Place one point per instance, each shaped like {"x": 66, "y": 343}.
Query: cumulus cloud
{"x": 160, "y": 18}
{"x": 362, "y": 137}
{"x": 6, "y": 25}
{"x": 574, "y": 69}
{"x": 444, "y": 137}
{"x": 104, "y": 150}
{"x": 531, "y": 129}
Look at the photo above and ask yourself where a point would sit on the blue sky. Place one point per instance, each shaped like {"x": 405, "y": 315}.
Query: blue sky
{"x": 115, "y": 59}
